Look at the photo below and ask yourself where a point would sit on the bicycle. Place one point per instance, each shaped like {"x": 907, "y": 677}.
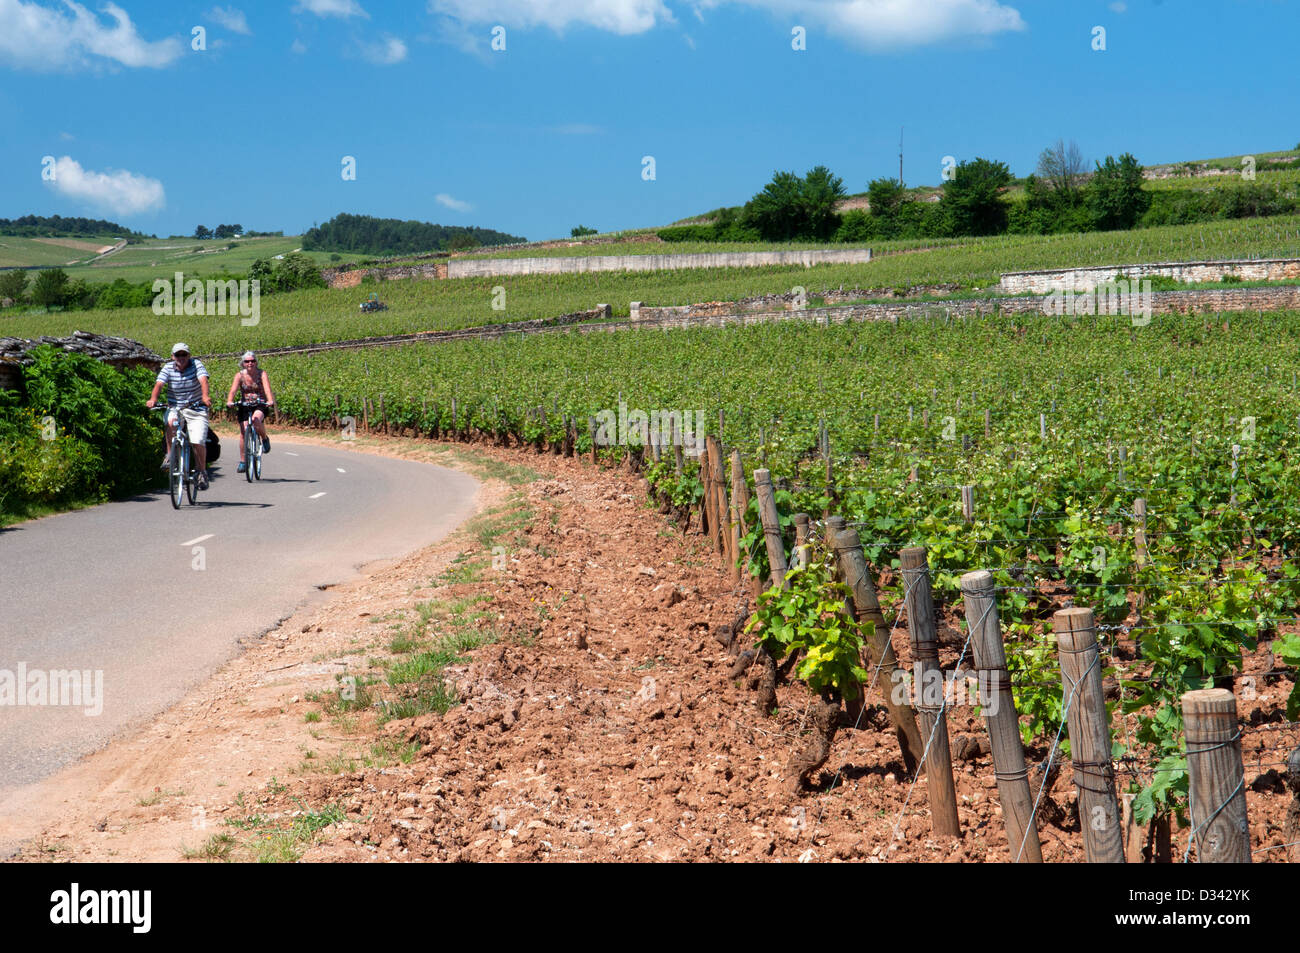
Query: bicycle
{"x": 183, "y": 477}
{"x": 252, "y": 442}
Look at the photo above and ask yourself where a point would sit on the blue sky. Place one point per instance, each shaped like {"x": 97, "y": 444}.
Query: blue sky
{"x": 551, "y": 131}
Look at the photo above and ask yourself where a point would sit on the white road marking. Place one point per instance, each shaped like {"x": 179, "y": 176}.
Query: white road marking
{"x": 290, "y": 453}
{"x": 341, "y": 470}
{"x": 199, "y": 539}
{"x": 315, "y": 496}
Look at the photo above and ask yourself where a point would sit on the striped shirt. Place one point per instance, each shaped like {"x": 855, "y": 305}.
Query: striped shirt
{"x": 183, "y": 387}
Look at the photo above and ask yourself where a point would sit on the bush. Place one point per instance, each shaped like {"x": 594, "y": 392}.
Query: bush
{"x": 104, "y": 443}
{"x": 582, "y": 230}
{"x": 688, "y": 233}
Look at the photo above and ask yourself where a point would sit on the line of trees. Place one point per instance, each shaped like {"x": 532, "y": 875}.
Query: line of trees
{"x": 203, "y": 233}
{"x": 1060, "y": 196}
{"x": 367, "y": 235}
{"x": 57, "y": 226}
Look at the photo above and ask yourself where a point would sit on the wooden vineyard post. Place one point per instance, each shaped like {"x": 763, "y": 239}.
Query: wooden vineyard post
{"x": 1140, "y": 545}
{"x": 1000, "y": 716}
{"x": 928, "y": 691}
{"x": 866, "y": 607}
{"x": 1216, "y": 777}
{"x": 1094, "y": 773}
{"x": 988, "y": 424}
{"x": 740, "y": 509}
{"x": 383, "y": 415}
{"x": 968, "y": 503}
{"x": 771, "y": 526}
{"x": 801, "y": 522}
{"x": 337, "y": 423}
{"x": 706, "y": 500}
{"x": 365, "y": 416}
{"x": 591, "y": 433}
{"x": 722, "y": 536}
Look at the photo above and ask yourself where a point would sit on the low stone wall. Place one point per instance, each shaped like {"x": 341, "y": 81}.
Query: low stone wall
{"x": 121, "y": 353}
{"x": 351, "y": 278}
{"x": 1162, "y": 302}
{"x": 1086, "y": 279}
{"x": 494, "y": 267}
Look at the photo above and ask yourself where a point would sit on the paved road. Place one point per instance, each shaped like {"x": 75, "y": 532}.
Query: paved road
{"x": 157, "y": 599}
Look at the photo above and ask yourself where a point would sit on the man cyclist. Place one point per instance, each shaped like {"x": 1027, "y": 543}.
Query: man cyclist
{"x": 254, "y": 390}
{"x": 186, "y": 380}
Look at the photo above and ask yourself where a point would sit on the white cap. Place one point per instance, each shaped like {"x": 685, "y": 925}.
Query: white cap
{"x": 178, "y": 347}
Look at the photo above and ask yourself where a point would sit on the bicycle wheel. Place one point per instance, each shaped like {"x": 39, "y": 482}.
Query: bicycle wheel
{"x": 250, "y": 438}
{"x": 191, "y": 477}
{"x": 256, "y": 465}
{"x": 176, "y": 475}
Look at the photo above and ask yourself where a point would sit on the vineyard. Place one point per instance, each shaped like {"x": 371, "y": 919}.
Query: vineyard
{"x": 1148, "y": 474}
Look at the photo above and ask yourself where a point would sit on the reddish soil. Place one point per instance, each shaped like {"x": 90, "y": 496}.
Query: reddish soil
{"x": 603, "y": 725}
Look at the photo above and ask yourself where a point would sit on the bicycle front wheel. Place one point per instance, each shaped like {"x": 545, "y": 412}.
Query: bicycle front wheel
{"x": 250, "y": 438}
{"x": 176, "y": 474}
{"x": 256, "y": 465}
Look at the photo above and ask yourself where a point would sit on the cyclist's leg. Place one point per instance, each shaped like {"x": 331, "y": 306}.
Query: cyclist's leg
{"x": 259, "y": 421}
{"x": 243, "y": 437}
{"x": 197, "y": 425}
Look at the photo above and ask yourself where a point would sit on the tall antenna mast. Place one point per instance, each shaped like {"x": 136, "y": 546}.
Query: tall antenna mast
{"x": 900, "y": 157}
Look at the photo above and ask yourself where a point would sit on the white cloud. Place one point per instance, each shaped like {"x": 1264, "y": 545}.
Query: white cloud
{"x": 232, "y": 18}
{"x": 67, "y": 136}
{"x": 386, "y": 52}
{"x": 1119, "y": 6}
{"x": 298, "y": 46}
{"x": 122, "y": 192}
{"x": 41, "y": 38}
{"x": 616, "y": 16}
{"x": 331, "y": 8}
{"x": 890, "y": 24}
{"x": 442, "y": 198}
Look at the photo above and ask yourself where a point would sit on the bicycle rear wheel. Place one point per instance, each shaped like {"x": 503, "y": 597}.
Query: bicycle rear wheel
{"x": 176, "y": 475}
{"x": 191, "y": 477}
{"x": 256, "y": 465}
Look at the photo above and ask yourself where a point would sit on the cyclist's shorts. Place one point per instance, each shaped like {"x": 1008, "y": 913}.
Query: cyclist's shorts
{"x": 247, "y": 412}
{"x": 196, "y": 424}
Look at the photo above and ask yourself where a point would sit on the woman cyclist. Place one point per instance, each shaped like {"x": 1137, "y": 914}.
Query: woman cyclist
{"x": 254, "y": 388}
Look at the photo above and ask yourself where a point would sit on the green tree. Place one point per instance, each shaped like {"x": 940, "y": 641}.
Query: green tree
{"x": 1116, "y": 198}
{"x": 13, "y": 284}
{"x": 884, "y": 196}
{"x": 820, "y": 192}
{"x": 51, "y": 287}
{"x": 777, "y": 213}
{"x": 202, "y": 232}
{"x": 461, "y": 242}
{"x": 972, "y": 201}
{"x": 580, "y": 231}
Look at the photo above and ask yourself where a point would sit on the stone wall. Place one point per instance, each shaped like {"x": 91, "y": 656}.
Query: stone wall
{"x": 1162, "y": 302}
{"x": 1086, "y": 279}
{"x": 351, "y": 277}
{"x": 494, "y": 267}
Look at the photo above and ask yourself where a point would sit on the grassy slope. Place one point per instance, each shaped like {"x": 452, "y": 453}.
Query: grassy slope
{"x": 18, "y": 252}
{"x": 422, "y": 305}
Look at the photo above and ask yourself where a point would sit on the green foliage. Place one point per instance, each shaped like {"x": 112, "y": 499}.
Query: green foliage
{"x": 790, "y": 207}
{"x": 367, "y": 235}
{"x": 13, "y": 284}
{"x": 1287, "y": 650}
{"x": 972, "y": 200}
{"x": 1115, "y": 195}
{"x": 580, "y": 230}
{"x": 81, "y": 433}
{"x": 808, "y": 617}
{"x": 51, "y": 288}
{"x": 57, "y": 226}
